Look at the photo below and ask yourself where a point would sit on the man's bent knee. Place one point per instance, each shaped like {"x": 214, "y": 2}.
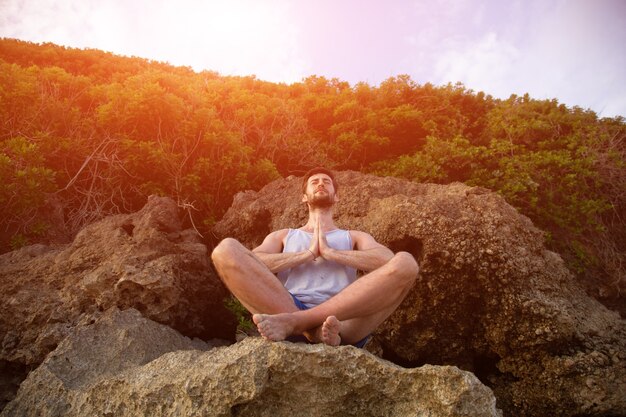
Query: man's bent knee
{"x": 226, "y": 250}
{"x": 406, "y": 266}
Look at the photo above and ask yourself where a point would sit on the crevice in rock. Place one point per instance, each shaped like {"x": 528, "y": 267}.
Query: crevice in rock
{"x": 129, "y": 228}
{"x": 11, "y": 376}
{"x": 391, "y": 356}
{"x": 239, "y": 409}
{"x": 409, "y": 244}
{"x": 485, "y": 367}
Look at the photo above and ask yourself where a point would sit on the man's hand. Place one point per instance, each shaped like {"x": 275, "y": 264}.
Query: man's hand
{"x": 315, "y": 246}
{"x": 366, "y": 256}
{"x": 319, "y": 244}
{"x": 324, "y": 249}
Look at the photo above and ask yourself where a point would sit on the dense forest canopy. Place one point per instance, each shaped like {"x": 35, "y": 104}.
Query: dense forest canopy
{"x": 86, "y": 133}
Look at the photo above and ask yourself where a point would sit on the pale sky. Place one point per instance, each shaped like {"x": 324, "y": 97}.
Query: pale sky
{"x": 571, "y": 50}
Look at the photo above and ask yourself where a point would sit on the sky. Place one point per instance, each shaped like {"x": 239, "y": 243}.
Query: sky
{"x": 570, "y": 50}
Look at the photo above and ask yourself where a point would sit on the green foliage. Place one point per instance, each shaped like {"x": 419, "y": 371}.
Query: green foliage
{"x": 440, "y": 161}
{"x": 25, "y": 183}
{"x": 102, "y": 132}
{"x": 244, "y": 318}
{"x": 558, "y": 166}
{"x": 583, "y": 259}
{"x": 18, "y": 241}
{"x": 39, "y": 228}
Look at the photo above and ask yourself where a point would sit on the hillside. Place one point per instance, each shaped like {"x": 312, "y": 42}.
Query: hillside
{"x": 84, "y": 134}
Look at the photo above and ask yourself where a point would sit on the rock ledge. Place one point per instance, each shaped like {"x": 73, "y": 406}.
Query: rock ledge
{"x": 125, "y": 364}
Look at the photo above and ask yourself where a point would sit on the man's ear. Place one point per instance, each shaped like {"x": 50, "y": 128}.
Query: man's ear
{"x": 304, "y": 199}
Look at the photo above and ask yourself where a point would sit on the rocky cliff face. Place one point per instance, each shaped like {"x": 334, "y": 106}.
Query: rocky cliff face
{"x": 144, "y": 260}
{"x": 490, "y": 297}
{"x": 126, "y": 365}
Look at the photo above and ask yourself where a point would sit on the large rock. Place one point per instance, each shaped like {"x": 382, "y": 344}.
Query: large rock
{"x": 490, "y": 297}
{"x": 120, "y": 366}
{"x": 144, "y": 260}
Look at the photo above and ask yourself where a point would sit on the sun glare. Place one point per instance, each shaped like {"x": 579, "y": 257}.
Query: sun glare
{"x": 239, "y": 38}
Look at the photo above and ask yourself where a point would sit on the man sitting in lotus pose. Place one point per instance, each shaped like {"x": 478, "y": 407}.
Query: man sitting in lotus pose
{"x": 317, "y": 293}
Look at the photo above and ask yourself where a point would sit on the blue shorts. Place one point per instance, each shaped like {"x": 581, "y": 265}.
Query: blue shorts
{"x": 300, "y": 338}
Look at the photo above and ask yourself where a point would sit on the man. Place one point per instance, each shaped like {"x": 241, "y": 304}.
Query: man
{"x": 317, "y": 293}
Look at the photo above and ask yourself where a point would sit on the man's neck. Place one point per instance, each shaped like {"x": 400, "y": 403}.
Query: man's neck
{"x": 326, "y": 217}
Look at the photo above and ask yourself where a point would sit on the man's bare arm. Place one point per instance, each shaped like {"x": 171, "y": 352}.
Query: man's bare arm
{"x": 367, "y": 256}
{"x": 271, "y": 254}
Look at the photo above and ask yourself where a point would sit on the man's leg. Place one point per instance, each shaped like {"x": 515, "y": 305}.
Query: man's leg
{"x": 359, "y": 308}
{"x": 351, "y": 331}
{"x": 249, "y": 280}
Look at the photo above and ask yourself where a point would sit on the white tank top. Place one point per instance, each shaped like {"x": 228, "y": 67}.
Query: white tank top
{"x": 316, "y": 281}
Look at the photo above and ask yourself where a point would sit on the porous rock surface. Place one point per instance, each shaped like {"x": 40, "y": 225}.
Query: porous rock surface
{"x": 143, "y": 260}
{"x": 489, "y": 298}
{"x": 126, "y": 365}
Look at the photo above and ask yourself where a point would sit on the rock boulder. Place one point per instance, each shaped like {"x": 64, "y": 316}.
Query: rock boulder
{"x": 143, "y": 260}
{"x": 490, "y": 297}
{"x": 127, "y": 365}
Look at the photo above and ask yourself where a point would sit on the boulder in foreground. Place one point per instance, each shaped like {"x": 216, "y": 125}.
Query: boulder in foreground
{"x": 144, "y": 260}
{"x": 127, "y": 365}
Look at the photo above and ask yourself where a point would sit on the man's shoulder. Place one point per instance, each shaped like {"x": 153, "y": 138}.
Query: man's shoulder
{"x": 358, "y": 233}
{"x": 279, "y": 234}
{"x": 273, "y": 242}
{"x": 362, "y": 239}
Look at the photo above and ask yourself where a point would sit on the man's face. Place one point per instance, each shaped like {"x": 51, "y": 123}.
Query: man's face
{"x": 320, "y": 191}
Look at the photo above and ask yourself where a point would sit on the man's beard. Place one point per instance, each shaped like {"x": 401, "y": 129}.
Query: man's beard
{"x": 324, "y": 200}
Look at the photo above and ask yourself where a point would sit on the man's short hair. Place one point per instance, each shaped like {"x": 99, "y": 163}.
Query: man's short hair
{"x": 318, "y": 170}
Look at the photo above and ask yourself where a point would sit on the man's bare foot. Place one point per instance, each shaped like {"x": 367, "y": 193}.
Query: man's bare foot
{"x": 275, "y": 326}
{"x": 330, "y": 331}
